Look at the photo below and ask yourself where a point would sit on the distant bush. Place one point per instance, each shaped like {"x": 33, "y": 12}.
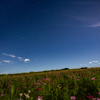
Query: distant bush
{"x": 83, "y": 68}
{"x": 52, "y": 70}
{"x": 17, "y": 74}
{"x": 46, "y": 71}
{"x": 31, "y": 72}
{"x": 66, "y": 69}
{"x": 4, "y": 75}
{"x": 23, "y": 73}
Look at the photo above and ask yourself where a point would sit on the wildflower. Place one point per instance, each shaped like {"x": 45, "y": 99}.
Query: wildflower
{"x": 2, "y": 94}
{"x": 44, "y": 83}
{"x": 29, "y": 91}
{"x": 73, "y": 97}
{"x": 47, "y": 78}
{"x": 18, "y": 88}
{"x": 64, "y": 87}
{"x": 39, "y": 83}
{"x": 39, "y": 98}
{"x": 58, "y": 76}
{"x": 20, "y": 99}
{"x": 90, "y": 96}
{"x": 50, "y": 80}
{"x": 25, "y": 87}
{"x": 7, "y": 86}
{"x": 1, "y": 85}
{"x": 58, "y": 85}
{"x": 93, "y": 78}
{"x": 39, "y": 89}
{"x": 21, "y": 94}
{"x": 86, "y": 75}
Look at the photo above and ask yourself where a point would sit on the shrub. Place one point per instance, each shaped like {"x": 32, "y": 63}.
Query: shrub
{"x": 4, "y": 75}
{"x": 66, "y": 69}
{"x": 83, "y": 68}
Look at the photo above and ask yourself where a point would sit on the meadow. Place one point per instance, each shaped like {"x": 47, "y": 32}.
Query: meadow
{"x": 72, "y": 84}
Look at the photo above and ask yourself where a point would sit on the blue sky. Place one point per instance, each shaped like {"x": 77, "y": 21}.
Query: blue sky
{"x": 37, "y": 35}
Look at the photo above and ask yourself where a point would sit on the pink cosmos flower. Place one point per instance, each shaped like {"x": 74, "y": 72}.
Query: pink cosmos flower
{"x": 39, "y": 98}
{"x": 18, "y": 88}
{"x": 93, "y": 78}
{"x": 73, "y": 97}
{"x": 91, "y": 96}
{"x": 44, "y": 83}
{"x": 58, "y": 76}
{"x": 2, "y": 94}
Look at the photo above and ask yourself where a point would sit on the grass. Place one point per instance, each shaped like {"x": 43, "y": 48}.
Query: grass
{"x": 74, "y": 84}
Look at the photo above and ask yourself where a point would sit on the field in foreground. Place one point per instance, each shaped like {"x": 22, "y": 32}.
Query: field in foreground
{"x": 82, "y": 84}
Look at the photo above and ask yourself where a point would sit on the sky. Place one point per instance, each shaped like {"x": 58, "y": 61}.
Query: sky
{"x": 38, "y": 35}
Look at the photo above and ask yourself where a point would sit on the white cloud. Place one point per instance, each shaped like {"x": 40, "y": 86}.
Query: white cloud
{"x": 90, "y": 62}
{"x": 11, "y": 55}
{"x": 0, "y": 62}
{"x": 25, "y": 60}
{"x": 99, "y": 63}
{"x": 35, "y": 59}
{"x": 7, "y": 61}
{"x": 94, "y": 61}
{"x": 20, "y": 58}
{"x": 95, "y": 25}
{"x": 5, "y": 54}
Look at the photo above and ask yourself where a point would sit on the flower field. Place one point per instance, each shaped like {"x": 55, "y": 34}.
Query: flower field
{"x": 79, "y": 84}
